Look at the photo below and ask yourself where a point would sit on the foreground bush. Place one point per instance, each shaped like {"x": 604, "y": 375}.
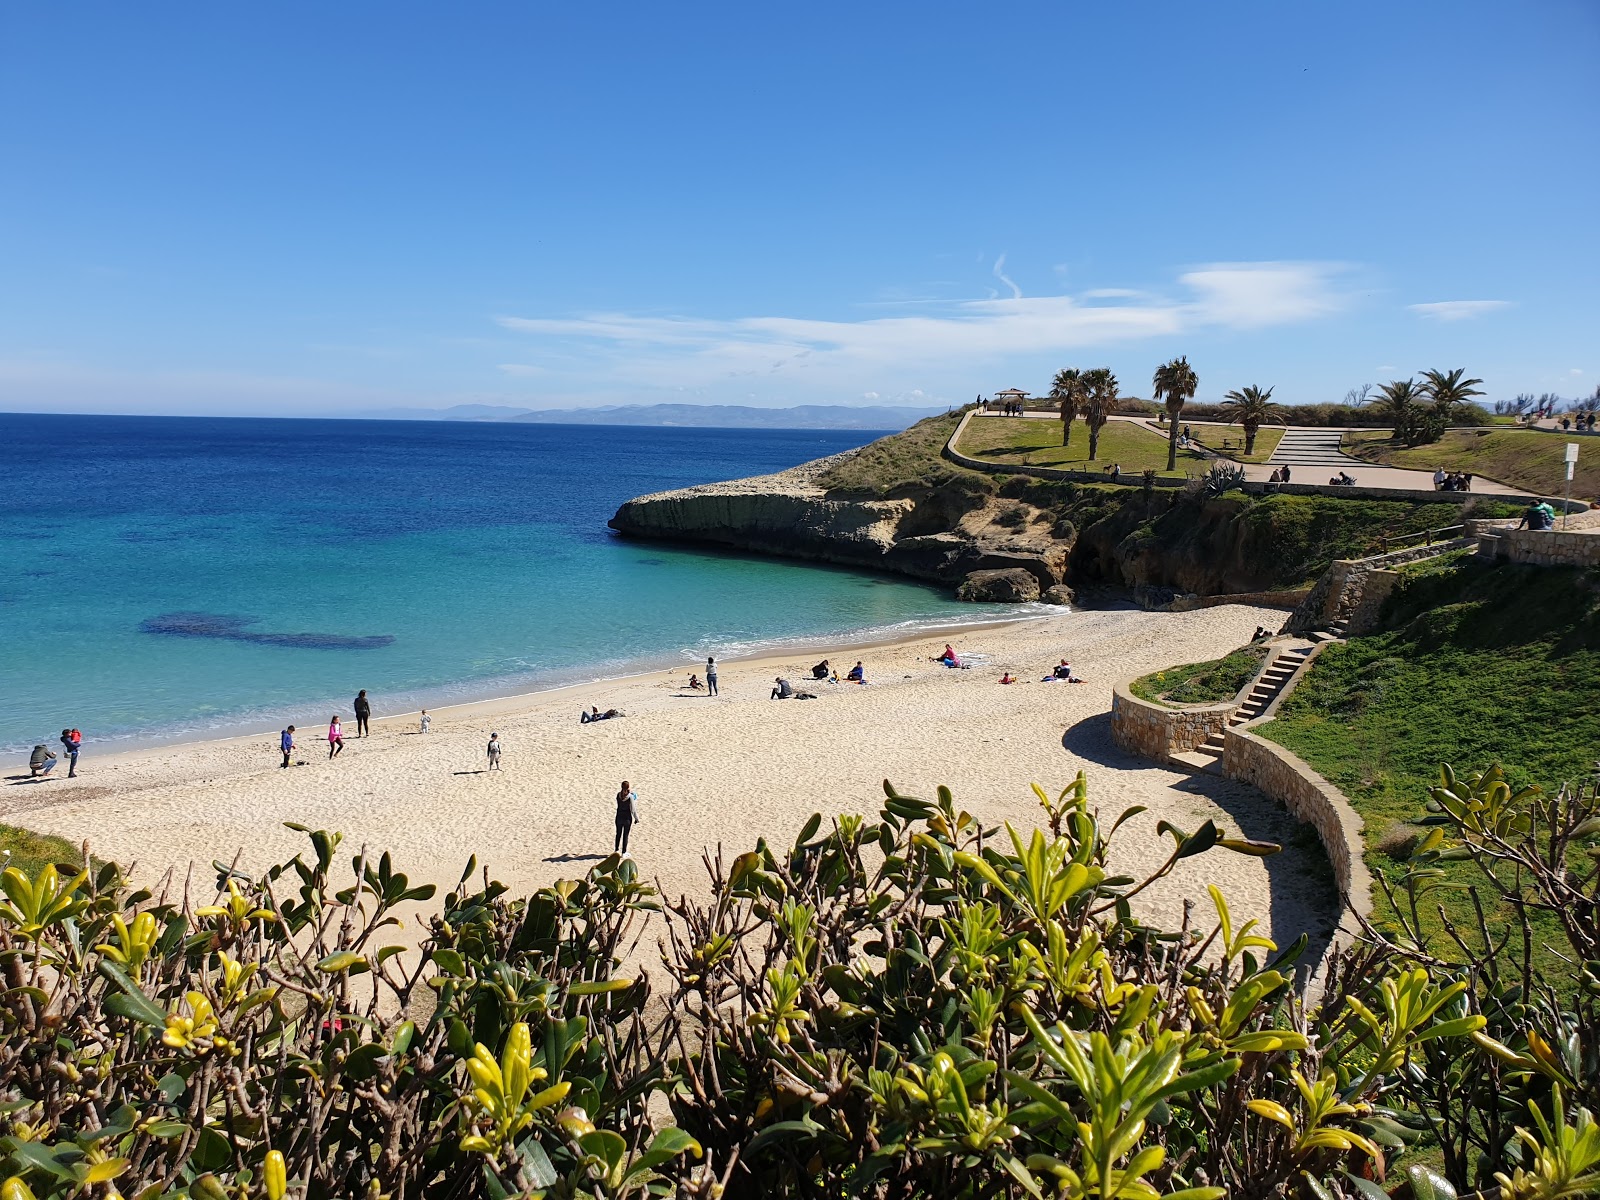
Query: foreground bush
{"x": 906, "y": 1006}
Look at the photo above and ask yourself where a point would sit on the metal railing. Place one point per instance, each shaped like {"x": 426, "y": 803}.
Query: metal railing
{"x": 1428, "y": 536}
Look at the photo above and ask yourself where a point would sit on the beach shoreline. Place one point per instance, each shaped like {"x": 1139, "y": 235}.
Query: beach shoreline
{"x": 712, "y": 773}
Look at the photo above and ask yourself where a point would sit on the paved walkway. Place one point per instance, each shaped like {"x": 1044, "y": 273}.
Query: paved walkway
{"x": 1313, "y": 456}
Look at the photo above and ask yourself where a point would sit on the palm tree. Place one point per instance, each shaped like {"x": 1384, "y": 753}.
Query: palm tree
{"x": 1250, "y": 407}
{"x": 1174, "y": 384}
{"x": 1100, "y": 397}
{"x": 1396, "y": 406}
{"x": 1445, "y": 390}
{"x": 1067, "y": 387}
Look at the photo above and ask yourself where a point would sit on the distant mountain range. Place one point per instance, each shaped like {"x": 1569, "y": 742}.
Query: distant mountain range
{"x": 703, "y": 416}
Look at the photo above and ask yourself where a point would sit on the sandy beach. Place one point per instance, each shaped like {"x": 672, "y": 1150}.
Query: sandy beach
{"x": 711, "y": 770}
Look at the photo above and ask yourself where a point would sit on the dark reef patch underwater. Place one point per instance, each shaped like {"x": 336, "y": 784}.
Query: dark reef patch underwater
{"x": 221, "y": 625}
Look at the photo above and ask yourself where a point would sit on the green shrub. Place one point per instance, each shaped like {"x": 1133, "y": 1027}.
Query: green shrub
{"x": 905, "y": 1006}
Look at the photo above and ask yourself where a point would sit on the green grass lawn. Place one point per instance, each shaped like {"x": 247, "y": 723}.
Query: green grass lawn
{"x": 28, "y": 851}
{"x": 1229, "y": 440}
{"x": 1522, "y": 458}
{"x": 1202, "y": 683}
{"x": 1038, "y": 443}
{"x": 1480, "y": 665}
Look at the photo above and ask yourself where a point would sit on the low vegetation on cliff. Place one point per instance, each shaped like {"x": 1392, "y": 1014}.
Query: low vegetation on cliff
{"x": 1202, "y": 683}
{"x": 1038, "y": 443}
{"x": 912, "y": 458}
{"x": 1476, "y": 664}
{"x": 899, "y": 1006}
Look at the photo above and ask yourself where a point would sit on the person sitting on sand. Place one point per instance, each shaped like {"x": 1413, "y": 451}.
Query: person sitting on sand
{"x": 694, "y": 682}
{"x": 335, "y": 737}
{"x": 41, "y": 761}
{"x": 1008, "y": 677}
{"x": 948, "y": 658}
{"x": 858, "y": 674}
{"x": 783, "y": 690}
{"x": 821, "y": 670}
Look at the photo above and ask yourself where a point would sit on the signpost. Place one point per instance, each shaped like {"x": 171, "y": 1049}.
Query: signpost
{"x": 1572, "y": 465}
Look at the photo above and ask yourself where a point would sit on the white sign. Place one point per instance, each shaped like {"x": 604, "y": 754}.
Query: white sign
{"x": 1572, "y": 452}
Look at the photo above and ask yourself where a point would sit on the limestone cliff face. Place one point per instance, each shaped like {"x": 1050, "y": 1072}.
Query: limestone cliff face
{"x": 924, "y": 533}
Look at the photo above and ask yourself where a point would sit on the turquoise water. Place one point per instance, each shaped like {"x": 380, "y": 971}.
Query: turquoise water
{"x": 477, "y": 554}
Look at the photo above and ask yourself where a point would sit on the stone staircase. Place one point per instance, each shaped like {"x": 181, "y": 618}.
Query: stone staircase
{"x": 1268, "y": 686}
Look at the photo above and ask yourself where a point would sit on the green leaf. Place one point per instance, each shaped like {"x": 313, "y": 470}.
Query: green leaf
{"x": 667, "y": 1145}
{"x": 536, "y": 1164}
{"x": 1204, "y": 838}
{"x": 1426, "y": 1185}
{"x": 599, "y": 987}
{"x": 132, "y": 1002}
{"x": 342, "y": 961}
{"x": 450, "y": 962}
{"x": 781, "y": 1131}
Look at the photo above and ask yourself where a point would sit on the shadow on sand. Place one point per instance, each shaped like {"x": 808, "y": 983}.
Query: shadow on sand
{"x": 1303, "y": 896}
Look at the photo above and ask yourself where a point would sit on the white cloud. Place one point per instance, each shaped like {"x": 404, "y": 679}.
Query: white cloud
{"x": 661, "y": 351}
{"x": 1457, "y": 310}
{"x": 869, "y": 395}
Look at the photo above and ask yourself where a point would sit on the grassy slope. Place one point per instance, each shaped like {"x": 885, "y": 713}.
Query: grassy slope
{"x": 28, "y": 851}
{"x": 1229, "y": 440}
{"x": 1202, "y": 683}
{"x": 1523, "y": 458}
{"x": 1479, "y": 665}
{"x": 910, "y": 458}
{"x": 1038, "y": 443}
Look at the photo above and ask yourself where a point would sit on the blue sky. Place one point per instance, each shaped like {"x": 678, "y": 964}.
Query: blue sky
{"x": 302, "y": 208}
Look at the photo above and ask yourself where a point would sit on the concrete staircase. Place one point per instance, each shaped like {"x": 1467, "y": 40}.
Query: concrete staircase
{"x": 1312, "y": 448}
{"x": 1269, "y": 685}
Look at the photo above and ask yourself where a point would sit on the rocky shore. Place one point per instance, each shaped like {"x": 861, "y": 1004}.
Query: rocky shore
{"x": 999, "y": 550}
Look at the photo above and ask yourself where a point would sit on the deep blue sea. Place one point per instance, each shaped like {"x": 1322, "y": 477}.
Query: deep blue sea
{"x": 175, "y": 576}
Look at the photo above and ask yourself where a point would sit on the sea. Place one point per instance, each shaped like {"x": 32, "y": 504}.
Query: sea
{"x": 170, "y": 578}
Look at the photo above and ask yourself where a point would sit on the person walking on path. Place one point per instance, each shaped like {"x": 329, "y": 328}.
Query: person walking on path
{"x": 627, "y": 817}
{"x": 72, "y": 740}
{"x": 363, "y": 708}
{"x": 711, "y": 676}
{"x": 286, "y": 744}
{"x": 494, "y": 752}
{"x": 42, "y": 762}
{"x": 335, "y": 737}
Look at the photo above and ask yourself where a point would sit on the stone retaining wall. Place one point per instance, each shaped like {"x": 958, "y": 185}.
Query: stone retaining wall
{"x": 1155, "y": 731}
{"x": 1309, "y": 797}
{"x": 1544, "y": 547}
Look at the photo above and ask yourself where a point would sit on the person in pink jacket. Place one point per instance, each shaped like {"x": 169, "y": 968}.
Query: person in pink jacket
{"x": 335, "y": 736}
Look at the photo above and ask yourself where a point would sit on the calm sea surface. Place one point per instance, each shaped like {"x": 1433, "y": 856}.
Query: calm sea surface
{"x": 179, "y": 576}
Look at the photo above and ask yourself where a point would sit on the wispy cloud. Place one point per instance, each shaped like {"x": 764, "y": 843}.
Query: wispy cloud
{"x": 1457, "y": 310}
{"x": 1000, "y": 274}
{"x": 693, "y": 351}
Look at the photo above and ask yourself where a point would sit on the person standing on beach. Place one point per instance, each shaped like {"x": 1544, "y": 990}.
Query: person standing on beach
{"x": 711, "y": 676}
{"x": 363, "y": 709}
{"x": 627, "y": 817}
{"x": 72, "y": 740}
{"x": 335, "y": 737}
{"x": 286, "y": 744}
{"x": 426, "y": 721}
{"x": 494, "y": 752}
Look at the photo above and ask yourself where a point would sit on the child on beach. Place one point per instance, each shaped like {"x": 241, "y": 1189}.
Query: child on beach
{"x": 426, "y": 721}
{"x": 335, "y": 737}
{"x": 494, "y": 752}
{"x": 72, "y": 742}
{"x": 286, "y": 744}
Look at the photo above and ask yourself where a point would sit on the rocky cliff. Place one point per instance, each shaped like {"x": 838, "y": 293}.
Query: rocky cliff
{"x": 894, "y": 506}
{"x": 934, "y": 533}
